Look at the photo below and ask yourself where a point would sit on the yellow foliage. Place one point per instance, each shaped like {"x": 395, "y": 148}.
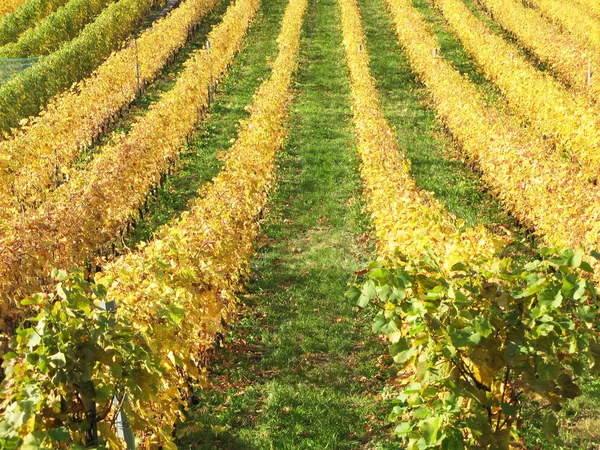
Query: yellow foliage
{"x": 575, "y": 18}
{"x": 98, "y": 203}
{"x": 562, "y": 52}
{"x": 592, "y": 5}
{"x": 566, "y": 117}
{"x": 405, "y": 218}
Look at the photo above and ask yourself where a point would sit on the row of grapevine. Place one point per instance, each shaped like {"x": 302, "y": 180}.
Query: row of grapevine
{"x": 528, "y": 176}
{"x": 569, "y": 59}
{"x": 31, "y": 90}
{"x": 39, "y": 157}
{"x": 8, "y": 6}
{"x": 24, "y": 17}
{"x": 173, "y": 294}
{"x": 405, "y": 218}
{"x": 99, "y": 202}
{"x": 573, "y": 18}
{"x": 565, "y": 117}
{"x": 59, "y": 27}
{"x": 465, "y": 328}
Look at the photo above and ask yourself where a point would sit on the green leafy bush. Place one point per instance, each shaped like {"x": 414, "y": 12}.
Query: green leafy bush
{"x": 74, "y": 366}
{"x": 473, "y": 343}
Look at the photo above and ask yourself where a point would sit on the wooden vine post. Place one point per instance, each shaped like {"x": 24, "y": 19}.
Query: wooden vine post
{"x": 211, "y": 86}
{"x": 124, "y": 431}
{"x": 138, "y": 79}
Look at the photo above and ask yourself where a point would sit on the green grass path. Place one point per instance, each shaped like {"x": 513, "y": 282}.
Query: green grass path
{"x": 300, "y": 368}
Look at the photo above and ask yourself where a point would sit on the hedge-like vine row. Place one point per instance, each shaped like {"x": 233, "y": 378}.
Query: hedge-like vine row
{"x": 61, "y": 26}
{"x": 28, "y": 92}
{"x": 529, "y": 178}
{"x": 40, "y": 156}
{"x": 172, "y": 295}
{"x": 405, "y": 218}
{"x": 26, "y": 16}
{"x": 574, "y": 18}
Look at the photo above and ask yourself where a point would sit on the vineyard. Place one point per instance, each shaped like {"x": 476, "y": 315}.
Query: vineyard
{"x": 300, "y": 224}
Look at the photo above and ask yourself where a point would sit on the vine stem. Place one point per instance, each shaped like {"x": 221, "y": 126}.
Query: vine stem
{"x": 502, "y": 398}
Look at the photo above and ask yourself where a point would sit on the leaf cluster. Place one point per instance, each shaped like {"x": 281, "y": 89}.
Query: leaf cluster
{"x": 74, "y": 366}
{"x": 473, "y": 343}
{"x": 9, "y": 6}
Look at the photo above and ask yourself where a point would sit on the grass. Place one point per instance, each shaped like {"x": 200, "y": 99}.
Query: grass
{"x": 300, "y": 367}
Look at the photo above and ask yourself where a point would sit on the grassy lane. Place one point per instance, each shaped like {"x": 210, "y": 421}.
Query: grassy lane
{"x": 199, "y": 162}
{"x": 429, "y": 147}
{"x": 299, "y": 370}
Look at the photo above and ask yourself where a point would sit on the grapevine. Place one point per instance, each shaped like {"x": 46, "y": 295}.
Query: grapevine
{"x": 98, "y": 203}
{"x": 564, "y": 54}
{"x": 27, "y": 15}
{"x": 573, "y": 18}
{"x": 405, "y": 218}
{"x": 567, "y": 118}
{"x": 524, "y": 173}
{"x": 448, "y": 321}
{"x": 28, "y": 92}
